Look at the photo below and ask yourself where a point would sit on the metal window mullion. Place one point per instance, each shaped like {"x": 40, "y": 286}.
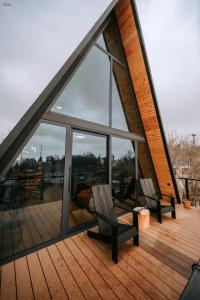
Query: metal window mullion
{"x": 109, "y": 160}
{"x": 67, "y": 180}
{"x": 109, "y": 54}
{"x": 136, "y": 161}
{"x": 110, "y": 93}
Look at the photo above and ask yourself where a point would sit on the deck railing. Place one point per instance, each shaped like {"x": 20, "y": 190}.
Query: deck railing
{"x": 192, "y": 189}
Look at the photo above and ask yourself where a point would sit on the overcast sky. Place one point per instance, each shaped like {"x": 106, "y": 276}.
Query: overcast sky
{"x": 38, "y": 36}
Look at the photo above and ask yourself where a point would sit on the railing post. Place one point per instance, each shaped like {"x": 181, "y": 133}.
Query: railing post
{"x": 187, "y": 189}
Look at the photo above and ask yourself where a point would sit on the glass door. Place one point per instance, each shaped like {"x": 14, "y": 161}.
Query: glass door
{"x": 89, "y": 166}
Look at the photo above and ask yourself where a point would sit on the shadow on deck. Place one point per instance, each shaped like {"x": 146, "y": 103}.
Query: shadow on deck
{"x": 81, "y": 268}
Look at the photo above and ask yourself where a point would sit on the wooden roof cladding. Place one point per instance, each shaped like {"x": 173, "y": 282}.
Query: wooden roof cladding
{"x": 138, "y": 71}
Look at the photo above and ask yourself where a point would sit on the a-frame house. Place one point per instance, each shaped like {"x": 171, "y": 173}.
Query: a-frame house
{"x": 97, "y": 121}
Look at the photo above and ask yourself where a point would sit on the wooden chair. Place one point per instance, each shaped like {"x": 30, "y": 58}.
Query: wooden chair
{"x": 153, "y": 201}
{"x": 110, "y": 230}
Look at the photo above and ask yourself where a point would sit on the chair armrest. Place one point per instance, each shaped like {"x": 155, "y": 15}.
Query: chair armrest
{"x": 171, "y": 198}
{"x": 106, "y": 219}
{"x": 126, "y": 208}
{"x": 134, "y": 212}
{"x": 152, "y": 198}
{"x": 163, "y": 194}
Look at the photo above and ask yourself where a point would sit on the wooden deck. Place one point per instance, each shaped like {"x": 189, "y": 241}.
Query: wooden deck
{"x": 36, "y": 224}
{"x": 81, "y": 268}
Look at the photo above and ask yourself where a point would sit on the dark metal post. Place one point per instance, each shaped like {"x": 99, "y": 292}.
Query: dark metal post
{"x": 187, "y": 189}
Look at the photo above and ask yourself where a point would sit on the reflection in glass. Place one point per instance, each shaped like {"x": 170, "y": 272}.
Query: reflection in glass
{"x": 123, "y": 169}
{"x": 31, "y": 192}
{"x": 89, "y": 161}
{"x": 87, "y": 94}
{"x": 118, "y": 116}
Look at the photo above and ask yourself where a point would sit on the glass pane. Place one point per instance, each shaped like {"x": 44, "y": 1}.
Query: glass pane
{"x": 100, "y": 41}
{"x": 87, "y": 94}
{"x": 118, "y": 116}
{"x": 31, "y": 192}
{"x": 128, "y": 102}
{"x": 123, "y": 169}
{"x": 89, "y": 161}
{"x": 112, "y": 41}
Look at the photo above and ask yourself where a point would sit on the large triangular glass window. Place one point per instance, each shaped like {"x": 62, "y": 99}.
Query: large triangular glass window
{"x": 118, "y": 116}
{"x": 87, "y": 94}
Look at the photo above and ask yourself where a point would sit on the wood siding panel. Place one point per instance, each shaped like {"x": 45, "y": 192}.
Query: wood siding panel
{"x": 132, "y": 47}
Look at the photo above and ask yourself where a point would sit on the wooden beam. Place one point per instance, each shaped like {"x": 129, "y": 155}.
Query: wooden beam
{"x": 141, "y": 84}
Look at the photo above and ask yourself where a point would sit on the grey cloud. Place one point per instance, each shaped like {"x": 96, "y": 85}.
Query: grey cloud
{"x": 38, "y": 37}
{"x": 172, "y": 36}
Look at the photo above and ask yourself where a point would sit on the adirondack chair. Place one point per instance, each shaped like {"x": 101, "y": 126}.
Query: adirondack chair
{"x": 153, "y": 201}
{"x": 110, "y": 230}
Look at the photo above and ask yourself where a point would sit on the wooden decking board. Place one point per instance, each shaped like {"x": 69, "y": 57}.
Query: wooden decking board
{"x": 8, "y": 282}
{"x": 113, "y": 282}
{"x": 81, "y": 268}
{"x": 134, "y": 273}
{"x": 180, "y": 239}
{"x": 72, "y": 289}
{"x": 171, "y": 253}
{"x": 136, "y": 291}
{"x": 94, "y": 277}
{"x": 186, "y": 235}
{"x": 83, "y": 282}
{"x": 150, "y": 267}
{"x": 174, "y": 245}
{"x": 39, "y": 284}
{"x": 163, "y": 258}
{"x": 169, "y": 272}
{"x": 54, "y": 283}
{"x": 23, "y": 283}
{"x": 149, "y": 276}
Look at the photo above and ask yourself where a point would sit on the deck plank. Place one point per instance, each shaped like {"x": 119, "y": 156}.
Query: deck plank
{"x": 54, "y": 283}
{"x": 8, "y": 283}
{"x": 40, "y": 288}
{"x": 103, "y": 270}
{"x": 81, "y": 268}
{"x": 69, "y": 282}
{"x": 24, "y": 288}
{"x": 87, "y": 288}
{"x": 127, "y": 280}
{"x": 144, "y": 283}
{"x": 98, "y": 282}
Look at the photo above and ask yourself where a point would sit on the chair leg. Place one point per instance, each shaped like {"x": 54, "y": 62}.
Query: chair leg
{"x": 115, "y": 253}
{"x": 174, "y": 214}
{"x": 136, "y": 239}
{"x": 115, "y": 245}
{"x": 159, "y": 212}
{"x": 159, "y": 217}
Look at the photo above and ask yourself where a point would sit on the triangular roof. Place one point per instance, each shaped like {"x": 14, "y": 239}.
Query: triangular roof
{"x": 132, "y": 41}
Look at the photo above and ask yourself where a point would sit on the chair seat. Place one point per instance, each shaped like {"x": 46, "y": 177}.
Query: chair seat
{"x": 125, "y": 232}
{"x": 164, "y": 208}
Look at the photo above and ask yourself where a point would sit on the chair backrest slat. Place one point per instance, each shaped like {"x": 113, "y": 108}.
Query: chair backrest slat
{"x": 103, "y": 202}
{"x": 149, "y": 190}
